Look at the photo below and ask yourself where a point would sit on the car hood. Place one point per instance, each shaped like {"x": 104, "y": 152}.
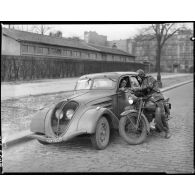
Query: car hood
{"x": 92, "y": 96}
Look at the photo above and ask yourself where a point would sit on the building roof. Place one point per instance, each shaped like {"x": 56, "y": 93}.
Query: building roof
{"x": 63, "y": 42}
{"x": 44, "y": 39}
{"x": 111, "y": 50}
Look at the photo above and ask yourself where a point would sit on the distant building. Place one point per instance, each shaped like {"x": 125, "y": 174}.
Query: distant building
{"x": 22, "y": 43}
{"x": 122, "y": 44}
{"x": 94, "y": 38}
{"x": 177, "y": 53}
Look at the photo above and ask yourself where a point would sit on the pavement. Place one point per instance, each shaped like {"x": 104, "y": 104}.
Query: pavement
{"x": 157, "y": 154}
{"x": 20, "y": 89}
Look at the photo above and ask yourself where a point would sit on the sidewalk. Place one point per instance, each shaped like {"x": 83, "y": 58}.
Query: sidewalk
{"x": 19, "y": 89}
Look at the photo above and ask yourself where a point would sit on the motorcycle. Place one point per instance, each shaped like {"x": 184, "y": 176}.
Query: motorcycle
{"x": 134, "y": 124}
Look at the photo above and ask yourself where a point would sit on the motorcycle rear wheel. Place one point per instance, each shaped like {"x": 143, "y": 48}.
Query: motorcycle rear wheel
{"x": 124, "y": 128}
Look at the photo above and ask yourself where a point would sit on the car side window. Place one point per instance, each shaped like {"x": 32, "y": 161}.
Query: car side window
{"x": 126, "y": 80}
{"x": 134, "y": 82}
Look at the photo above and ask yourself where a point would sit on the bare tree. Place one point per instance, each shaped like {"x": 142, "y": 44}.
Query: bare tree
{"x": 56, "y": 34}
{"x": 41, "y": 29}
{"x": 161, "y": 32}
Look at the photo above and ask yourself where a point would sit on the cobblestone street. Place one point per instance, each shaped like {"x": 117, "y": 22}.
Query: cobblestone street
{"x": 174, "y": 155}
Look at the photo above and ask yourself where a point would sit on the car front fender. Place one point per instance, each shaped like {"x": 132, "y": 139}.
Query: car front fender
{"x": 88, "y": 120}
{"x": 37, "y": 124}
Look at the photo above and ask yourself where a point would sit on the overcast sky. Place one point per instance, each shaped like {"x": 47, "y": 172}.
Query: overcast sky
{"x": 112, "y": 31}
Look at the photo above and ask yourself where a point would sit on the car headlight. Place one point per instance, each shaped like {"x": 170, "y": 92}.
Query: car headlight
{"x": 130, "y": 100}
{"x": 69, "y": 113}
{"x": 59, "y": 114}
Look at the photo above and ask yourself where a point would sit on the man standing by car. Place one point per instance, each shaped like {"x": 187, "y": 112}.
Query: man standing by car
{"x": 149, "y": 87}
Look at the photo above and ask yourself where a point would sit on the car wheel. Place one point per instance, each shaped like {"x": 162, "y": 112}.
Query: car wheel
{"x": 100, "y": 138}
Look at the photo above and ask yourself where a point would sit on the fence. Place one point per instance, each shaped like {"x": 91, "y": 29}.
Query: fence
{"x": 29, "y": 68}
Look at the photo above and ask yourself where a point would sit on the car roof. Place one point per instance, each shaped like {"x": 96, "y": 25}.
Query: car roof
{"x": 115, "y": 75}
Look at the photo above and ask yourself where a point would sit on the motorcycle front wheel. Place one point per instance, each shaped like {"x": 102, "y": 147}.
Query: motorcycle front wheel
{"x": 128, "y": 131}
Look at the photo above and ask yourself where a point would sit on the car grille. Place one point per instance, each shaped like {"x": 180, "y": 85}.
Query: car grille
{"x": 60, "y": 126}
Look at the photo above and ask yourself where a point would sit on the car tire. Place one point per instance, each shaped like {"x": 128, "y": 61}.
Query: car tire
{"x": 100, "y": 139}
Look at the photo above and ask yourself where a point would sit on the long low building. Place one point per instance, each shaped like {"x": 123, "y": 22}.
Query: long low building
{"x": 22, "y": 43}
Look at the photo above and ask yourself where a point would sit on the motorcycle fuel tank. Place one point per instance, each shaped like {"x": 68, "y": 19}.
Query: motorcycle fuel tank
{"x": 150, "y": 106}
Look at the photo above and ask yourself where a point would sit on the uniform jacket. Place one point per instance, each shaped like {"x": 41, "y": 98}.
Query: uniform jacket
{"x": 149, "y": 86}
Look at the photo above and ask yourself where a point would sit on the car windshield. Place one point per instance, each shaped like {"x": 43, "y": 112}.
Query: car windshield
{"x": 100, "y": 83}
{"x": 103, "y": 83}
{"x": 83, "y": 84}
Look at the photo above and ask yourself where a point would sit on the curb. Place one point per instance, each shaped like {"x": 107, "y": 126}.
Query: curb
{"x": 37, "y": 95}
{"x": 27, "y": 135}
{"x": 175, "y": 86}
{"x": 17, "y": 138}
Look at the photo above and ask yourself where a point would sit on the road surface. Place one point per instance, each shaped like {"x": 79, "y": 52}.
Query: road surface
{"x": 157, "y": 154}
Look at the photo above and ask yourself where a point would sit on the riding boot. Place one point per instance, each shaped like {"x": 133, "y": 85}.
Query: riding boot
{"x": 167, "y": 134}
{"x": 165, "y": 123}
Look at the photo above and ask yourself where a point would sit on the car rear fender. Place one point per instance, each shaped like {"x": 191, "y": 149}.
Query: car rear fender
{"x": 88, "y": 121}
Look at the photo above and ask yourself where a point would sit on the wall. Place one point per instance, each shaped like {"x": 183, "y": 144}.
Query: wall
{"x": 10, "y": 46}
{"x": 28, "y": 68}
{"x": 65, "y": 52}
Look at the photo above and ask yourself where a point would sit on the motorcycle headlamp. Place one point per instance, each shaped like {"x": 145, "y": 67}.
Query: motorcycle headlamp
{"x": 130, "y": 99}
{"x": 69, "y": 113}
{"x": 59, "y": 114}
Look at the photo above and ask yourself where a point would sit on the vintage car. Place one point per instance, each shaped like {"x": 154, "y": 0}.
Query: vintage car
{"x": 93, "y": 109}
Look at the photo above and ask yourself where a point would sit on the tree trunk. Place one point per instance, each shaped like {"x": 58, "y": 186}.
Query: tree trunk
{"x": 158, "y": 56}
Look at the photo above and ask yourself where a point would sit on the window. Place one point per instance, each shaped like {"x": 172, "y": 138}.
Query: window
{"x": 116, "y": 58}
{"x": 122, "y": 59}
{"x": 134, "y": 82}
{"x": 99, "y": 56}
{"x": 93, "y": 56}
{"x": 65, "y": 52}
{"x": 24, "y": 48}
{"x": 39, "y": 50}
{"x": 103, "y": 84}
{"x": 83, "y": 84}
{"x": 55, "y": 51}
{"x": 69, "y": 53}
{"x": 77, "y": 54}
{"x": 31, "y": 49}
{"x": 84, "y": 55}
{"x": 126, "y": 79}
{"x": 46, "y": 51}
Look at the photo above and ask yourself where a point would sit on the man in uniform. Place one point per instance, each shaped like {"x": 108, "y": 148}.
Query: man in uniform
{"x": 149, "y": 86}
